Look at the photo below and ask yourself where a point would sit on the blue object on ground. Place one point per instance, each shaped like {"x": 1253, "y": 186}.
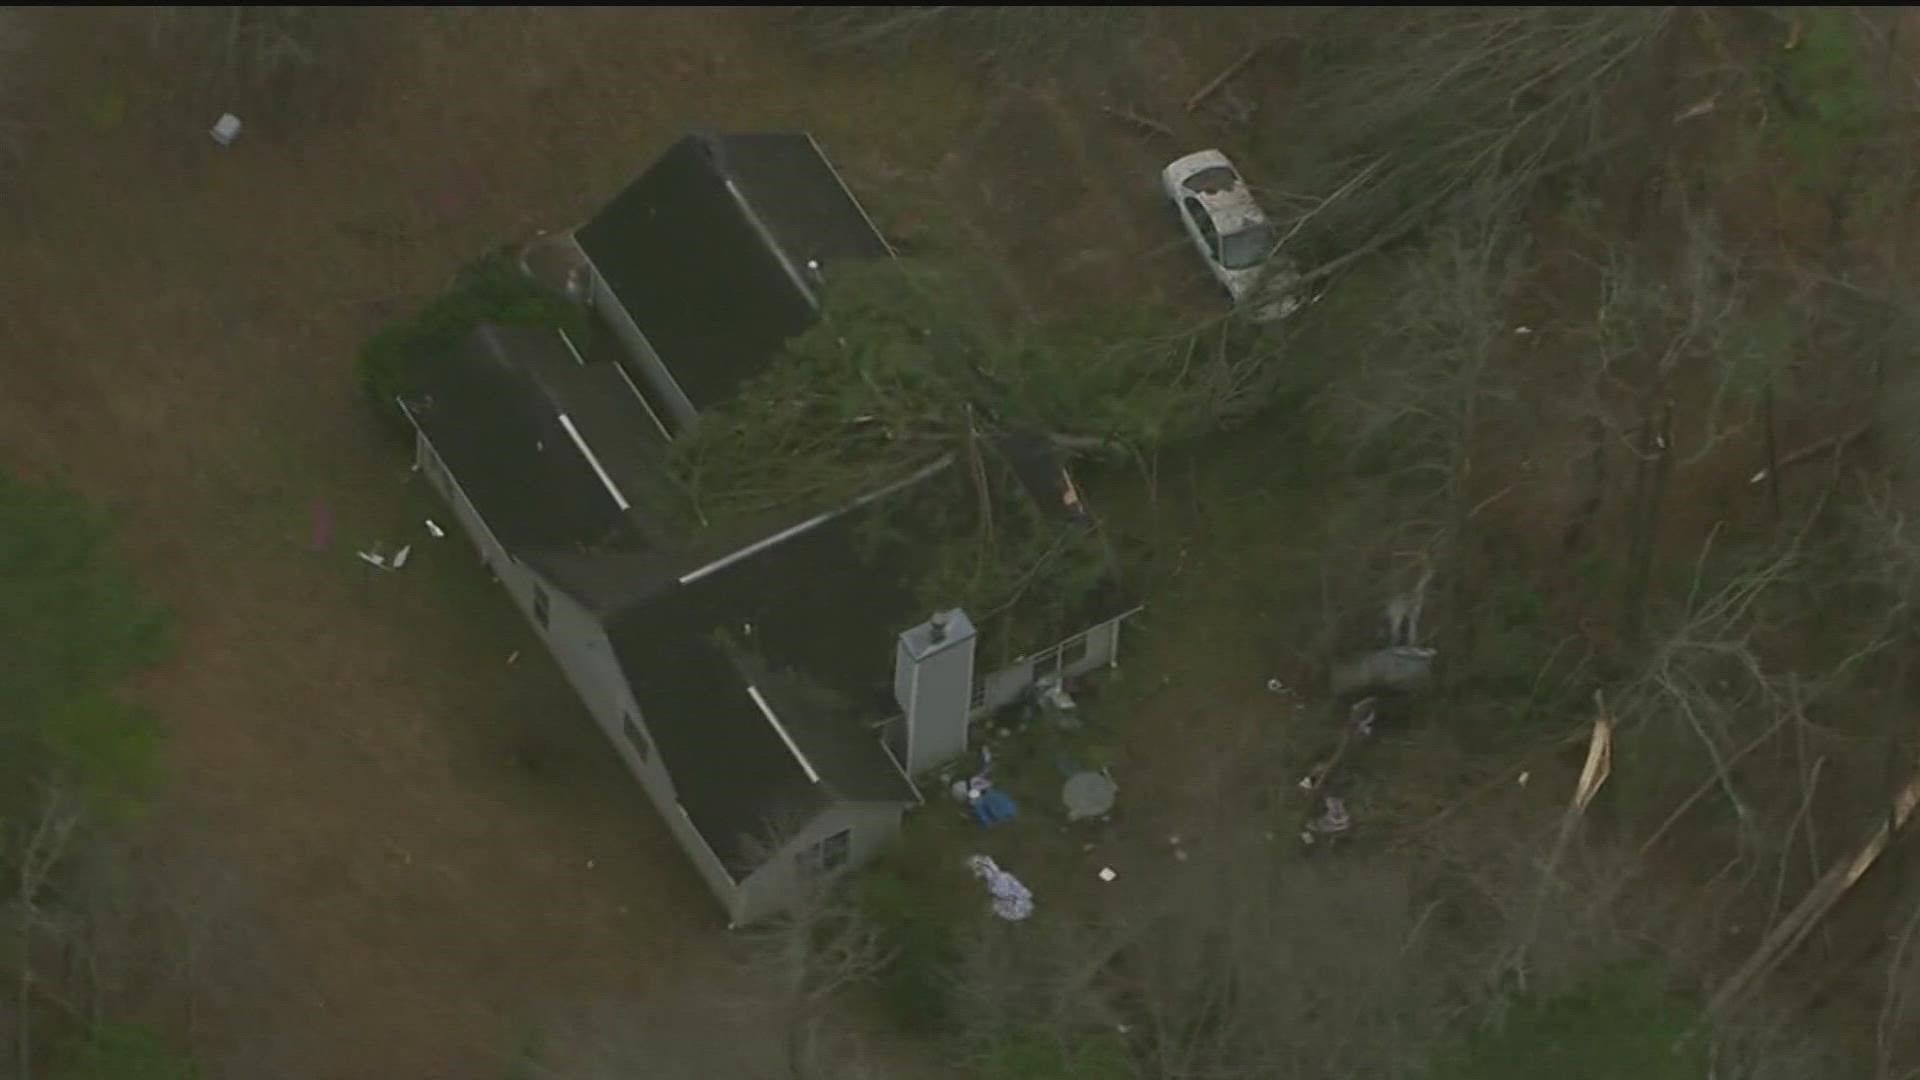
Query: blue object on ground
{"x": 995, "y": 807}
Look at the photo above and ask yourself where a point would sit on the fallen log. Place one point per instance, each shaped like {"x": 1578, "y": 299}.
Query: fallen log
{"x": 1819, "y": 900}
{"x": 1214, "y": 84}
{"x": 1144, "y": 123}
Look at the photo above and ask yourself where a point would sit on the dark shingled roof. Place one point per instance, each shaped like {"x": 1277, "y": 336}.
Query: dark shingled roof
{"x": 810, "y": 623}
{"x": 708, "y": 251}
{"x": 811, "y": 619}
{"x": 492, "y": 411}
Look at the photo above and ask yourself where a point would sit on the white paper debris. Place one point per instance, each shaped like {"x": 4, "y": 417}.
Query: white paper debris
{"x": 372, "y": 558}
{"x": 1524, "y": 777}
{"x": 435, "y": 531}
{"x": 400, "y": 557}
{"x": 226, "y": 129}
{"x": 1523, "y": 329}
{"x": 1107, "y": 874}
{"x": 1275, "y": 686}
{"x": 515, "y": 655}
{"x": 1011, "y": 900}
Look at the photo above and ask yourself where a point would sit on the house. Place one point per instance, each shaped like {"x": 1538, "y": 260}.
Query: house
{"x": 776, "y": 693}
{"x": 711, "y": 259}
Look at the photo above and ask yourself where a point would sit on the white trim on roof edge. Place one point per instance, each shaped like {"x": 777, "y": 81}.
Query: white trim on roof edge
{"x": 568, "y": 342}
{"x": 767, "y": 711}
{"x": 587, "y": 451}
{"x": 772, "y": 242}
{"x": 447, "y": 472}
{"x": 851, "y": 197}
{"x": 644, "y": 403}
{"x": 815, "y": 521}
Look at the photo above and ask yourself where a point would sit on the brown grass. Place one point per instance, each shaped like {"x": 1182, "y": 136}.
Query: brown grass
{"x": 433, "y": 842}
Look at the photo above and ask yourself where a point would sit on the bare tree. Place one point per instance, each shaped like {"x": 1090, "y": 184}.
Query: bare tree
{"x": 36, "y": 853}
{"x": 993, "y": 34}
{"x": 1441, "y": 106}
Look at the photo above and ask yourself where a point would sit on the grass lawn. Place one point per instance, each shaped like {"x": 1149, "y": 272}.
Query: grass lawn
{"x": 434, "y": 840}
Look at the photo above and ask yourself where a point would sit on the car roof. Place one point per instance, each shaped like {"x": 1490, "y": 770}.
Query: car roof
{"x": 1232, "y": 208}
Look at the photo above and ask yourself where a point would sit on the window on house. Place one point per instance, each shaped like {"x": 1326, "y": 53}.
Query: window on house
{"x": 828, "y": 855}
{"x": 630, "y": 727}
{"x": 542, "y": 607}
{"x": 1074, "y": 651}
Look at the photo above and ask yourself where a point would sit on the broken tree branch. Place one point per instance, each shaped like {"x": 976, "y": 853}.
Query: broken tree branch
{"x": 1144, "y": 123}
{"x": 1832, "y": 443}
{"x": 1214, "y": 84}
{"x": 1593, "y": 775}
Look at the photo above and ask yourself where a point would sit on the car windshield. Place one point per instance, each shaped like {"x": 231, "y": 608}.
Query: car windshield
{"x": 1212, "y": 179}
{"x": 1247, "y": 248}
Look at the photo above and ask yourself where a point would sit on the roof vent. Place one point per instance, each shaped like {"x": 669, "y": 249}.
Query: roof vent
{"x": 937, "y": 627}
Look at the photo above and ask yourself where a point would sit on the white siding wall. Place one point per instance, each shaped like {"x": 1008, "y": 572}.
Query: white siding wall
{"x": 769, "y": 890}
{"x": 1005, "y": 686}
{"x": 579, "y": 644}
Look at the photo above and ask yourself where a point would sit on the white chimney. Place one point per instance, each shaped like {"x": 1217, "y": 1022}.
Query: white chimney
{"x": 933, "y": 682}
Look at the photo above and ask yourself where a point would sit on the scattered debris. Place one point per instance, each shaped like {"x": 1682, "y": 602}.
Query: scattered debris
{"x": 993, "y": 807}
{"x": 1698, "y": 109}
{"x": 1361, "y": 716}
{"x": 513, "y": 657}
{"x": 1524, "y": 777}
{"x": 1053, "y": 694}
{"x": 1275, "y": 686}
{"x": 1333, "y": 820}
{"x": 435, "y": 531}
{"x": 226, "y": 129}
{"x": 1523, "y": 330}
{"x": 400, "y": 557}
{"x": 1012, "y": 901}
{"x": 1107, "y": 875}
{"x": 1401, "y": 667}
{"x": 373, "y": 558}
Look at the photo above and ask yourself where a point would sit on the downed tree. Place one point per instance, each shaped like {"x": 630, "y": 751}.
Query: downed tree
{"x": 1820, "y": 899}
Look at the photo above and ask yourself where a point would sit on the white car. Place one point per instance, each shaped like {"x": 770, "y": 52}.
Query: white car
{"x": 1231, "y": 231}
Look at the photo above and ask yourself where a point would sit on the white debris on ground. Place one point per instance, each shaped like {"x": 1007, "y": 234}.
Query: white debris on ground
{"x": 1107, "y": 875}
{"x": 1012, "y": 901}
{"x": 435, "y": 531}
{"x": 379, "y": 561}
{"x": 226, "y": 129}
